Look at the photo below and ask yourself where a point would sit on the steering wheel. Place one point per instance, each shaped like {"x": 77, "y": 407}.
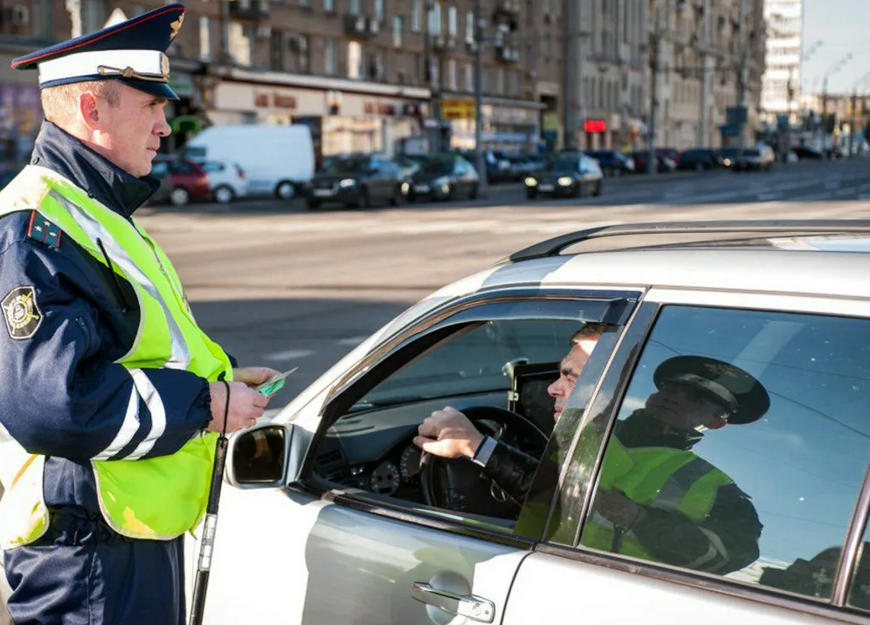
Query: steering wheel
{"x": 458, "y": 484}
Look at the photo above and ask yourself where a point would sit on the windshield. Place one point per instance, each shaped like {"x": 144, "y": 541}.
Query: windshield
{"x": 438, "y": 168}
{"x": 343, "y": 166}
{"x": 563, "y": 166}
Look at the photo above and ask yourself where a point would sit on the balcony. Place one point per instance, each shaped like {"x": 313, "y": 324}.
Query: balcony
{"x": 442, "y": 42}
{"x": 359, "y": 27}
{"x": 249, "y": 9}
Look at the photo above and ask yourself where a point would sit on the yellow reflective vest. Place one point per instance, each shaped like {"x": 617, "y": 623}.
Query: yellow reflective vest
{"x": 154, "y": 498}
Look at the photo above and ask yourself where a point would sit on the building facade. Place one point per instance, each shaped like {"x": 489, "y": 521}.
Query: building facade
{"x": 780, "y": 93}
{"x": 709, "y": 60}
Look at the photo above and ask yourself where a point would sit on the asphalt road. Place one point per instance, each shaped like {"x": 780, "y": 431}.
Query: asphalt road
{"x": 277, "y": 284}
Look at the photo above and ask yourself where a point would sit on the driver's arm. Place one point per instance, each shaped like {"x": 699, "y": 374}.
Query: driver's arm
{"x": 448, "y": 433}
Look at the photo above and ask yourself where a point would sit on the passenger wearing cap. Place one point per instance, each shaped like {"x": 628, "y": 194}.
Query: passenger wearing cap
{"x": 111, "y": 393}
{"x": 657, "y": 499}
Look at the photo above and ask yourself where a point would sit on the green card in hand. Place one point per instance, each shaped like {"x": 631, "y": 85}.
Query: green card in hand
{"x": 274, "y": 384}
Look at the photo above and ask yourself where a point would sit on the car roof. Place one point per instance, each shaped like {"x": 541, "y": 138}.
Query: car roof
{"x": 826, "y": 258}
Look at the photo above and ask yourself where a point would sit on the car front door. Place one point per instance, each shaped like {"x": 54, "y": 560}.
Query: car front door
{"x": 757, "y": 517}
{"x": 350, "y": 535}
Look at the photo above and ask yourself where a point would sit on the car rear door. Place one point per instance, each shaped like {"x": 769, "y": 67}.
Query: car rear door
{"x": 801, "y": 466}
{"x": 348, "y": 539}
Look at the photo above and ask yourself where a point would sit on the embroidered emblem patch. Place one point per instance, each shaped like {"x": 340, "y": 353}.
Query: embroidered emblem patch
{"x": 21, "y": 313}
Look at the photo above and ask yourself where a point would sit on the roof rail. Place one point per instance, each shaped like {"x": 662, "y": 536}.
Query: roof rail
{"x": 552, "y": 247}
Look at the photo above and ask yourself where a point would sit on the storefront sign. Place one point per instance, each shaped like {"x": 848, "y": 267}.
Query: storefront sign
{"x": 274, "y": 99}
{"x": 595, "y": 126}
{"x": 458, "y": 108}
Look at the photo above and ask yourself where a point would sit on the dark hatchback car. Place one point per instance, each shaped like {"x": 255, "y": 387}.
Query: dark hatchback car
{"x": 568, "y": 175}
{"x": 612, "y": 163}
{"x": 357, "y": 181}
{"x": 699, "y": 159}
{"x": 444, "y": 177}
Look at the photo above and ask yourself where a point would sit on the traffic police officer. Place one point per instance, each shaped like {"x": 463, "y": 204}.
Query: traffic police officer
{"x": 111, "y": 393}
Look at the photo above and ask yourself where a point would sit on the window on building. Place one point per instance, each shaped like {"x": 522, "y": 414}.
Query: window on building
{"x": 379, "y": 10}
{"x": 329, "y": 6}
{"x": 303, "y": 57}
{"x": 305, "y": 3}
{"x": 514, "y": 83}
{"x": 452, "y": 21}
{"x": 204, "y": 39}
{"x": 355, "y": 7}
{"x": 548, "y": 46}
{"x": 469, "y": 27}
{"x": 94, "y": 15}
{"x": 398, "y": 28}
{"x": 416, "y": 11}
{"x": 435, "y": 19}
{"x": 330, "y": 60}
{"x": 355, "y": 61}
{"x": 452, "y": 81}
{"x": 469, "y": 77}
{"x": 499, "y": 77}
{"x": 277, "y": 51}
{"x": 241, "y": 43}
{"x": 40, "y": 11}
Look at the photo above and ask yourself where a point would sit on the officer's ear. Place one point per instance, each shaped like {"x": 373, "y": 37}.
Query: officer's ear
{"x": 89, "y": 110}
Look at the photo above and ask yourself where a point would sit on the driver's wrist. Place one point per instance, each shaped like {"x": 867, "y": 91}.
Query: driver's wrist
{"x": 484, "y": 451}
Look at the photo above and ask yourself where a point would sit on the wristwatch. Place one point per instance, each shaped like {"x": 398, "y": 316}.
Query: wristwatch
{"x": 484, "y": 451}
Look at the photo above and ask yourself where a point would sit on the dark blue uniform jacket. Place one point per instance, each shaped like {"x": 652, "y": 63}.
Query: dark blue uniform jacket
{"x": 61, "y": 393}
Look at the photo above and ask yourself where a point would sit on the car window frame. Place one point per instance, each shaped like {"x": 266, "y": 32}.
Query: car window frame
{"x": 422, "y": 334}
{"x": 609, "y": 397}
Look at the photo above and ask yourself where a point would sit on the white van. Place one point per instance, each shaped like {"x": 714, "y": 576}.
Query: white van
{"x": 276, "y": 160}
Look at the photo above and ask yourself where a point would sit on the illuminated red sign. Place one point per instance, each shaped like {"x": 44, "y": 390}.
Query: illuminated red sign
{"x": 595, "y": 125}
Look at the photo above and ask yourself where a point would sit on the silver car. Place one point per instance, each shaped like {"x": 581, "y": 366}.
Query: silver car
{"x": 330, "y": 514}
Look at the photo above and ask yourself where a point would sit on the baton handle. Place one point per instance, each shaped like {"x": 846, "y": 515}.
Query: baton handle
{"x": 206, "y": 547}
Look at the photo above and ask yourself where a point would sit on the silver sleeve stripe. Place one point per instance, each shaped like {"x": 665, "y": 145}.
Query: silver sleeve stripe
{"x": 128, "y": 428}
{"x": 155, "y": 406}
{"x": 180, "y": 358}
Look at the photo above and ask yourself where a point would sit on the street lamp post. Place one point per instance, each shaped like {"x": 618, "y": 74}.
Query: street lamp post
{"x": 836, "y": 67}
{"x": 479, "y": 158}
{"x": 655, "y": 40}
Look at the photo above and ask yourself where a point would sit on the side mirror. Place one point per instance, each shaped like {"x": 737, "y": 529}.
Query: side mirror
{"x": 259, "y": 456}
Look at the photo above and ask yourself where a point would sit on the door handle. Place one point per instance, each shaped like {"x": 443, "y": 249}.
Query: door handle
{"x": 475, "y": 608}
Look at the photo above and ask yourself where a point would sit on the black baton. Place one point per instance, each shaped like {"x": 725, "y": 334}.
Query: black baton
{"x": 206, "y": 547}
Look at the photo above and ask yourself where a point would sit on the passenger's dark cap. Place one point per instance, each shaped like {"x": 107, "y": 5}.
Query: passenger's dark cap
{"x": 745, "y": 397}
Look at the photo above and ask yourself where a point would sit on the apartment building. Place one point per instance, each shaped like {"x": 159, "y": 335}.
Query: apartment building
{"x": 710, "y": 60}
{"x": 782, "y": 77}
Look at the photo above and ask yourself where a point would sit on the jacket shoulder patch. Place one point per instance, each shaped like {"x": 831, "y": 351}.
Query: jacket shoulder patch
{"x": 21, "y": 313}
{"x": 43, "y": 231}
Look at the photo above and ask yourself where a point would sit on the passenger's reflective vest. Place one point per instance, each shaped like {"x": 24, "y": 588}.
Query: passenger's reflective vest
{"x": 659, "y": 477}
{"x": 156, "y": 498}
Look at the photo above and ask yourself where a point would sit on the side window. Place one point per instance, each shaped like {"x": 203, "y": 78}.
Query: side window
{"x": 739, "y": 448}
{"x": 510, "y": 374}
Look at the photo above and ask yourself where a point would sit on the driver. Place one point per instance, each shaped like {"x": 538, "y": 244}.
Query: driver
{"x": 448, "y": 433}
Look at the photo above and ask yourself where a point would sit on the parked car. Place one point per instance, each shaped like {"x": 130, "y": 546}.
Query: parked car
{"x": 729, "y": 156}
{"x": 758, "y": 158}
{"x": 522, "y": 165}
{"x": 277, "y": 160}
{"x": 188, "y": 179}
{"x": 330, "y": 505}
{"x": 806, "y": 153}
{"x": 566, "y": 175}
{"x": 699, "y": 159}
{"x": 671, "y": 153}
{"x": 498, "y": 168}
{"x": 408, "y": 165}
{"x": 444, "y": 177}
{"x": 664, "y": 165}
{"x": 612, "y": 163}
{"x": 357, "y": 181}
{"x": 227, "y": 181}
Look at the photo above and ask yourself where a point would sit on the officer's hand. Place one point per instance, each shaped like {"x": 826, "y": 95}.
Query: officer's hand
{"x": 246, "y": 406}
{"x": 253, "y": 376}
{"x": 449, "y": 434}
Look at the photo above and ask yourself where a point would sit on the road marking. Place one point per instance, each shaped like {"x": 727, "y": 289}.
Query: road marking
{"x": 353, "y": 340}
{"x": 290, "y": 354}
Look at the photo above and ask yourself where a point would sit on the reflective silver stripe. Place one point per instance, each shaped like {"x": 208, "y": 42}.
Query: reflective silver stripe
{"x": 128, "y": 428}
{"x": 180, "y": 358}
{"x": 716, "y": 553}
{"x": 680, "y": 481}
{"x": 155, "y": 407}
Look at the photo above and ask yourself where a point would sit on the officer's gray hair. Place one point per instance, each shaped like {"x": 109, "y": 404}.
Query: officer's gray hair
{"x": 61, "y": 102}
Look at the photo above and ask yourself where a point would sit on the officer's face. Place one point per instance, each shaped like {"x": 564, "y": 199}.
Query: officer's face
{"x": 130, "y": 132}
{"x": 569, "y": 371}
{"x": 684, "y": 407}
